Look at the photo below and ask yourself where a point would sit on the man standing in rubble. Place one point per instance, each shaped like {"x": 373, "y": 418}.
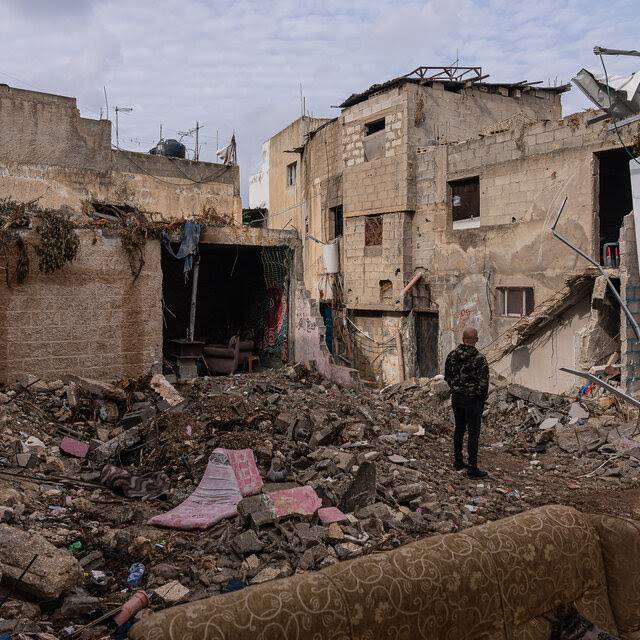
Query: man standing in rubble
{"x": 467, "y": 374}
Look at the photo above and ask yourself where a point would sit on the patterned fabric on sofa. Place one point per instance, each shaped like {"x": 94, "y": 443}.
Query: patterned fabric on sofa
{"x": 496, "y": 581}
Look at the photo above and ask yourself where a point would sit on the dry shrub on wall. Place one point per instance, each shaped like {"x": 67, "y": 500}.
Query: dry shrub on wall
{"x": 58, "y": 241}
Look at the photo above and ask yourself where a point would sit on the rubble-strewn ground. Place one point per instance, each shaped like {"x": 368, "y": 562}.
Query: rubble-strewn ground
{"x": 303, "y": 430}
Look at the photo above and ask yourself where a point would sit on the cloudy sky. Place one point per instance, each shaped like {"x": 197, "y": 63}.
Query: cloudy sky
{"x": 237, "y": 66}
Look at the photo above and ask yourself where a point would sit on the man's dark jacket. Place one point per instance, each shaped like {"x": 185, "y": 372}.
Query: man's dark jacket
{"x": 467, "y": 372}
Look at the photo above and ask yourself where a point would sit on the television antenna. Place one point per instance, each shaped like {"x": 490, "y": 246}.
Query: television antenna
{"x": 117, "y": 109}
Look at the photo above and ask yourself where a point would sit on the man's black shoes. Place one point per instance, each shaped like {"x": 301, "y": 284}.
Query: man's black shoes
{"x": 474, "y": 472}
{"x": 458, "y": 465}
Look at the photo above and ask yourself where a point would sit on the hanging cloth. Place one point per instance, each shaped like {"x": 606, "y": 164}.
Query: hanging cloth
{"x": 189, "y": 240}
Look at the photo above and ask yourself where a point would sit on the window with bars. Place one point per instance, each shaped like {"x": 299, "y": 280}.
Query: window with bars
{"x": 514, "y": 301}
{"x": 372, "y": 231}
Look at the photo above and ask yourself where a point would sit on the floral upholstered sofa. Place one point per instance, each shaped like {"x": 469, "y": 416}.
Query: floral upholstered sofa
{"x": 497, "y": 581}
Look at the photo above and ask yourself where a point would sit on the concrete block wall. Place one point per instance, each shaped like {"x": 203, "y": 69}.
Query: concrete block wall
{"x": 90, "y": 318}
{"x": 454, "y": 116}
{"x": 630, "y": 293}
{"x": 377, "y": 187}
{"x": 48, "y": 151}
{"x": 365, "y": 266}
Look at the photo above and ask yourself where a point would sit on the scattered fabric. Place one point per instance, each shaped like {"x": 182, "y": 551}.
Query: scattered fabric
{"x": 149, "y": 485}
{"x": 189, "y": 240}
{"x": 570, "y": 625}
{"x": 301, "y": 500}
{"x": 230, "y": 475}
{"x": 234, "y": 585}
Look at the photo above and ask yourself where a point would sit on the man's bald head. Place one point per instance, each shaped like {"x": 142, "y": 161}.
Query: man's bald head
{"x": 470, "y": 336}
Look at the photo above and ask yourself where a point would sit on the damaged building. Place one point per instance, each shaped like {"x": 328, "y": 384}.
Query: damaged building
{"x": 425, "y": 207}
{"x": 121, "y": 305}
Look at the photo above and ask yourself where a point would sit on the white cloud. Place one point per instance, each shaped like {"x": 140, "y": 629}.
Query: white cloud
{"x": 238, "y": 66}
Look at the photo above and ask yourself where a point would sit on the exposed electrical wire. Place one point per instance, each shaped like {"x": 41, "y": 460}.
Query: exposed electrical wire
{"x": 613, "y": 118}
{"x": 299, "y": 204}
{"x": 210, "y": 178}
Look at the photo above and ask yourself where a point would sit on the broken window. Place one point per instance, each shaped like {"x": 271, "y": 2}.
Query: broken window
{"x": 374, "y": 141}
{"x": 514, "y": 301}
{"x": 374, "y": 127}
{"x": 372, "y": 231}
{"x": 465, "y": 203}
{"x": 386, "y": 291}
{"x": 292, "y": 170}
{"x": 336, "y": 217}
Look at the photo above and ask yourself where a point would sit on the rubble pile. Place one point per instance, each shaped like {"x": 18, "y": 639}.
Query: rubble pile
{"x": 84, "y": 465}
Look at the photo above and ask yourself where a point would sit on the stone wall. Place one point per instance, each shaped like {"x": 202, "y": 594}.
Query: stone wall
{"x": 90, "y": 318}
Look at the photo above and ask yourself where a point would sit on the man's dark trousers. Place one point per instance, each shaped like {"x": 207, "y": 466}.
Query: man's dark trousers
{"x": 467, "y": 411}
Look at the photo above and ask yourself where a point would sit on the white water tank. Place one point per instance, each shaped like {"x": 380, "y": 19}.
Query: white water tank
{"x": 330, "y": 258}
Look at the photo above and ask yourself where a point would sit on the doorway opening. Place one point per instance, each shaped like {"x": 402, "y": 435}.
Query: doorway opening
{"x": 614, "y": 202}
{"x": 426, "y": 344}
{"x": 242, "y": 297}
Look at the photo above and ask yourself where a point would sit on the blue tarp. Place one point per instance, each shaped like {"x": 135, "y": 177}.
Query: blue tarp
{"x": 189, "y": 240}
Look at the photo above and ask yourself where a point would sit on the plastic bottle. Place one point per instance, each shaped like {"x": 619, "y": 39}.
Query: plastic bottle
{"x": 136, "y": 571}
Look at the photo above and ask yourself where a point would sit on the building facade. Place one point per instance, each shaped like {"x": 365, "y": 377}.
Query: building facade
{"x": 440, "y": 195}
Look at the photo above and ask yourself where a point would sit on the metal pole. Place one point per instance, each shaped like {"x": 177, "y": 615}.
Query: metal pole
{"x": 630, "y": 317}
{"x": 197, "y": 151}
{"x": 400, "y": 356}
{"x": 194, "y": 296}
{"x": 603, "y": 384}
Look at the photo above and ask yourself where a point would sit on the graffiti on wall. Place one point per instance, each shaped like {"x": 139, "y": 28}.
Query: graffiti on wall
{"x": 465, "y": 313}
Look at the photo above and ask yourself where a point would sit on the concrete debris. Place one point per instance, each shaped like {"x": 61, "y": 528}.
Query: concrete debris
{"x": 165, "y": 390}
{"x": 52, "y": 572}
{"x": 171, "y": 592}
{"x": 347, "y": 473}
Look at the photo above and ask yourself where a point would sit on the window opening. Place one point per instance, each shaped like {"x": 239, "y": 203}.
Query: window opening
{"x": 374, "y": 127}
{"x": 514, "y": 301}
{"x": 374, "y": 141}
{"x": 465, "y": 199}
{"x": 338, "y": 221}
{"x": 372, "y": 231}
{"x": 614, "y": 201}
{"x": 386, "y": 291}
{"x": 292, "y": 170}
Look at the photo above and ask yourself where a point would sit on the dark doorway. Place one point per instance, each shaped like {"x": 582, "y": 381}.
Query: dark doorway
{"x": 614, "y": 201}
{"x": 233, "y": 298}
{"x": 426, "y": 344}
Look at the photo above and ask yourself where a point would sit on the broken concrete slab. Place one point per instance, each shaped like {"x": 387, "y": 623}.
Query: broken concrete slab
{"x": 74, "y": 447}
{"x": 247, "y": 542}
{"x": 576, "y": 438}
{"x": 172, "y": 592}
{"x": 407, "y": 492}
{"x": 257, "y": 510}
{"x": 97, "y": 388}
{"x": 116, "y": 445}
{"x": 328, "y": 515}
{"x": 577, "y": 412}
{"x": 548, "y": 423}
{"x": 53, "y": 571}
{"x": 137, "y": 416}
{"x": 362, "y": 491}
{"x": 165, "y": 390}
